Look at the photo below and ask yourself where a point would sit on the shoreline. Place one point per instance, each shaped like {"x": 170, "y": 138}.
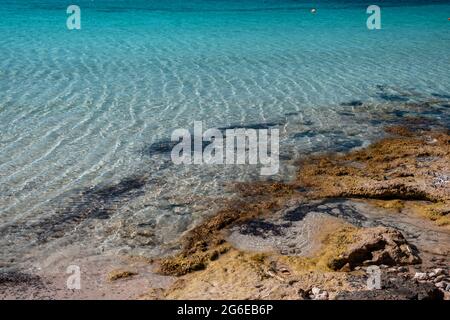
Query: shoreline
{"x": 225, "y": 150}
{"x": 251, "y": 248}
{"x": 347, "y": 177}
{"x": 352, "y": 177}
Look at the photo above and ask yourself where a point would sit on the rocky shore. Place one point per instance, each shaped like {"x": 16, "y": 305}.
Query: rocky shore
{"x": 315, "y": 237}
{"x": 385, "y": 205}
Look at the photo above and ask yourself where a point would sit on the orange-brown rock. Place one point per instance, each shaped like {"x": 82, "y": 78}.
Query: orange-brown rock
{"x": 412, "y": 167}
{"x": 376, "y": 246}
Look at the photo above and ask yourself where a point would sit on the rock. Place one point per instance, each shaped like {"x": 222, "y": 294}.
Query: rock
{"x": 377, "y": 246}
{"x": 315, "y": 291}
{"x": 322, "y": 296}
{"x": 439, "y": 271}
{"x": 439, "y": 278}
{"x": 431, "y": 275}
{"x": 448, "y": 288}
{"x": 441, "y": 285}
{"x": 421, "y": 276}
{"x": 318, "y": 294}
{"x": 400, "y": 289}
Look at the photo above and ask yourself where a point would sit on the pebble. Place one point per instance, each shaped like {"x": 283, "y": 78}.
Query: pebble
{"x": 322, "y": 296}
{"x": 421, "y": 276}
{"x": 318, "y": 294}
{"x": 336, "y": 211}
{"x": 315, "y": 291}
{"x": 439, "y": 271}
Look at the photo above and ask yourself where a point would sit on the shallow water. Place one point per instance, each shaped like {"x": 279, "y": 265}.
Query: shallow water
{"x": 81, "y": 111}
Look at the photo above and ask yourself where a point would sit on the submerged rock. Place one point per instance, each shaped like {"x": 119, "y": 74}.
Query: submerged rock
{"x": 376, "y": 246}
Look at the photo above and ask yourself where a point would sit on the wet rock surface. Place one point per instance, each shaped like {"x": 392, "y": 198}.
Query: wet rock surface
{"x": 284, "y": 236}
{"x": 377, "y": 246}
{"x": 396, "y": 289}
{"x": 291, "y": 230}
{"x": 390, "y": 179}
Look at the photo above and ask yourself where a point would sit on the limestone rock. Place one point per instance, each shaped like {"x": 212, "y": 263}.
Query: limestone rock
{"x": 377, "y": 246}
{"x": 318, "y": 294}
{"x": 439, "y": 271}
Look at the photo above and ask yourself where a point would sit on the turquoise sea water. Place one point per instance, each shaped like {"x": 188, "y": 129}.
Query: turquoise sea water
{"x": 80, "y": 110}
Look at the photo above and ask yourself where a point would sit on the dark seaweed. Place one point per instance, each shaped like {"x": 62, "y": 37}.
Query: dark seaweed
{"x": 16, "y": 278}
{"x": 343, "y": 211}
{"x": 262, "y": 228}
{"x": 353, "y": 103}
{"x": 92, "y": 203}
{"x": 164, "y": 147}
{"x": 393, "y": 97}
{"x": 442, "y": 96}
{"x": 255, "y": 126}
{"x": 305, "y": 134}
